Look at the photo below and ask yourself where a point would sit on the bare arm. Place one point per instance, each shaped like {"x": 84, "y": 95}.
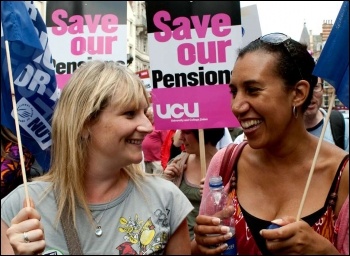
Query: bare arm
{"x": 6, "y": 248}
{"x": 179, "y": 243}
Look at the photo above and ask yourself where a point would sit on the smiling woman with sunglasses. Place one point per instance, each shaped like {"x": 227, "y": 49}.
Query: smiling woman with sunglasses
{"x": 272, "y": 85}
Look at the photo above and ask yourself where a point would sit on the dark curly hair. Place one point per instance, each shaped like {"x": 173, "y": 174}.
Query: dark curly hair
{"x": 290, "y": 68}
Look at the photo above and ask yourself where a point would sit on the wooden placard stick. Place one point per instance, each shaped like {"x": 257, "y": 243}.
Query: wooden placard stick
{"x": 316, "y": 155}
{"x": 18, "y": 135}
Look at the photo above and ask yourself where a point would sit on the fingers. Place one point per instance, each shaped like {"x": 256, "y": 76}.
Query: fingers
{"x": 26, "y": 233}
{"x": 171, "y": 171}
{"x": 32, "y": 236}
{"x": 210, "y": 235}
{"x": 287, "y": 230}
{"x": 201, "y": 186}
{"x": 284, "y": 221}
{"x": 31, "y": 242}
{"x": 207, "y": 220}
{"x": 31, "y": 203}
{"x": 26, "y": 214}
{"x": 212, "y": 251}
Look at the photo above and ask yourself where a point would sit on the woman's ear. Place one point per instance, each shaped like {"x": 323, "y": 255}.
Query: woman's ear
{"x": 85, "y": 134}
{"x": 301, "y": 91}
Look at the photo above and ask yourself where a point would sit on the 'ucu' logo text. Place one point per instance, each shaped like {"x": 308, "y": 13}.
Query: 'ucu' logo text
{"x": 177, "y": 111}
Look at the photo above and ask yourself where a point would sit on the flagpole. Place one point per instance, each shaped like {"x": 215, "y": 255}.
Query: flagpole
{"x": 316, "y": 155}
{"x": 24, "y": 175}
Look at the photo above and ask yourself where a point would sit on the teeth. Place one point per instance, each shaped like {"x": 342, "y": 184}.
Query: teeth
{"x": 250, "y": 123}
{"x": 137, "y": 142}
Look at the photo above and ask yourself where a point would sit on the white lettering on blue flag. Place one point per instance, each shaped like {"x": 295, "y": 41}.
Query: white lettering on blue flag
{"x": 33, "y": 123}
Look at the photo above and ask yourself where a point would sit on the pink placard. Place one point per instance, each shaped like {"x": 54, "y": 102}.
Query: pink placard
{"x": 62, "y": 80}
{"x": 193, "y": 108}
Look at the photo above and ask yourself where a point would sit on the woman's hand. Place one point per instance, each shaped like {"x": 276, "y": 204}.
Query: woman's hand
{"x": 296, "y": 238}
{"x": 201, "y": 186}
{"x": 26, "y": 233}
{"x": 173, "y": 170}
{"x": 210, "y": 236}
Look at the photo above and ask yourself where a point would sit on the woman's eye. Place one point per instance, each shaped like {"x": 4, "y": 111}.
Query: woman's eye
{"x": 233, "y": 91}
{"x": 252, "y": 90}
{"x": 130, "y": 113}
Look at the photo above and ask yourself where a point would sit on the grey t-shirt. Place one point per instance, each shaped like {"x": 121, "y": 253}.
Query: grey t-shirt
{"x": 134, "y": 223}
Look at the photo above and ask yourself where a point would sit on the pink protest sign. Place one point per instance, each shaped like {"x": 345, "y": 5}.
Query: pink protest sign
{"x": 193, "y": 108}
{"x": 192, "y": 48}
{"x": 83, "y": 31}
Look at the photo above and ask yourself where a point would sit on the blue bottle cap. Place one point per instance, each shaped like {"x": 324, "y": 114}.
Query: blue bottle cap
{"x": 215, "y": 182}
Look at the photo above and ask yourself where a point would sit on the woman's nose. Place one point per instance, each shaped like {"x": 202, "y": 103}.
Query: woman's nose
{"x": 146, "y": 125}
{"x": 239, "y": 105}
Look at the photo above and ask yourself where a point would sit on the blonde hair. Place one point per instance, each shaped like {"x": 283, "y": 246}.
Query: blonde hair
{"x": 89, "y": 91}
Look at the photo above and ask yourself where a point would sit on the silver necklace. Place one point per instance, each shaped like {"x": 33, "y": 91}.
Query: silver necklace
{"x": 98, "y": 230}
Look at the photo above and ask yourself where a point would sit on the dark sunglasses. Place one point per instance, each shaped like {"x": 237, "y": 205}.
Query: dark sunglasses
{"x": 280, "y": 38}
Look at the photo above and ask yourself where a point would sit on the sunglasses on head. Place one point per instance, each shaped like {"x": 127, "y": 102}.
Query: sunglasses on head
{"x": 280, "y": 38}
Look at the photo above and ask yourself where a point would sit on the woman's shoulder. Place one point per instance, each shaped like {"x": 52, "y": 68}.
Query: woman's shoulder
{"x": 334, "y": 162}
{"x": 35, "y": 188}
{"x": 328, "y": 149}
{"x": 157, "y": 187}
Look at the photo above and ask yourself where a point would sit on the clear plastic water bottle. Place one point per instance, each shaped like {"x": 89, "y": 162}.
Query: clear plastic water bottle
{"x": 217, "y": 201}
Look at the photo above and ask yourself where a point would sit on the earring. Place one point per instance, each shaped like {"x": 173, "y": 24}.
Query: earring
{"x": 85, "y": 137}
{"x": 295, "y": 112}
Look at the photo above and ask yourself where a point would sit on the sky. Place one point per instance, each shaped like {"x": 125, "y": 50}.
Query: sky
{"x": 289, "y": 17}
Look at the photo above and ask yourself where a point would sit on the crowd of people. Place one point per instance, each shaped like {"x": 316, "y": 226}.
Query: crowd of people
{"x": 98, "y": 199}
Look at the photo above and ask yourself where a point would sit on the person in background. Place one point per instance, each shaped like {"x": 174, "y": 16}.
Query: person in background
{"x": 151, "y": 147}
{"x": 185, "y": 169}
{"x": 171, "y": 147}
{"x": 315, "y": 115}
{"x": 95, "y": 182}
{"x": 240, "y": 138}
{"x": 226, "y": 139}
{"x": 11, "y": 170}
{"x": 235, "y": 132}
{"x": 272, "y": 86}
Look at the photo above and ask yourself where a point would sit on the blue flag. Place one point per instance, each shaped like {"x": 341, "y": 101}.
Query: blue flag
{"x": 33, "y": 76}
{"x": 333, "y": 64}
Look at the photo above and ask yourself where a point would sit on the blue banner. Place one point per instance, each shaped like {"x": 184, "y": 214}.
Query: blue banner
{"x": 333, "y": 64}
{"x": 33, "y": 76}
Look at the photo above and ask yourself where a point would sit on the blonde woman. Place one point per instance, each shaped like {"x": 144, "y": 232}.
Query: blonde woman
{"x": 95, "y": 180}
